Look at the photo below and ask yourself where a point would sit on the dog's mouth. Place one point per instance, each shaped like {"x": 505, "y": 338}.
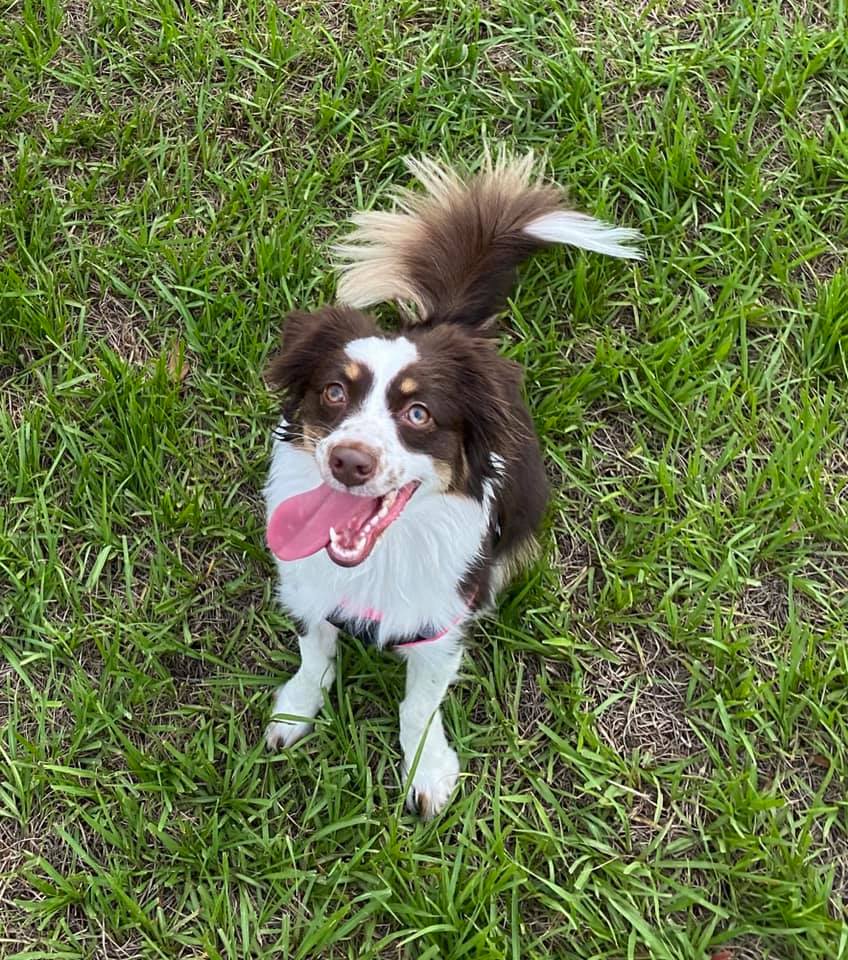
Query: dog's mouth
{"x": 347, "y": 526}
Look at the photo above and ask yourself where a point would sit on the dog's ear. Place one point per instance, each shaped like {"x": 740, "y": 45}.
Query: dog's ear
{"x": 307, "y": 340}
{"x": 490, "y": 394}
{"x": 484, "y": 393}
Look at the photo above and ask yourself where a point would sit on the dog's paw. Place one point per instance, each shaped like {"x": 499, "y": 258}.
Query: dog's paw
{"x": 281, "y": 733}
{"x": 433, "y": 782}
{"x": 295, "y": 701}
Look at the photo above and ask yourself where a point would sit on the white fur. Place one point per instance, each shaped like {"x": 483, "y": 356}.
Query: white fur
{"x": 427, "y": 756}
{"x": 412, "y": 577}
{"x": 498, "y": 463}
{"x": 578, "y": 230}
{"x": 299, "y": 700}
{"x": 385, "y": 358}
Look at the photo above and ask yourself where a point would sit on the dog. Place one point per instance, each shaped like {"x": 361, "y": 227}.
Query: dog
{"x": 406, "y": 484}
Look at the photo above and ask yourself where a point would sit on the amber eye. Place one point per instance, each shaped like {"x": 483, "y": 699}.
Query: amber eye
{"x": 335, "y": 394}
{"x": 417, "y": 415}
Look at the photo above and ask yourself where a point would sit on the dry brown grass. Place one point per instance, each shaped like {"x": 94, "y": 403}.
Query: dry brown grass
{"x": 637, "y": 691}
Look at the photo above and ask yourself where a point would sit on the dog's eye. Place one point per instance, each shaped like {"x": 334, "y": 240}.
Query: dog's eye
{"x": 417, "y": 415}
{"x": 335, "y": 394}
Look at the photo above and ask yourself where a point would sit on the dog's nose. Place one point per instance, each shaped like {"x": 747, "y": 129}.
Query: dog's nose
{"x": 352, "y": 464}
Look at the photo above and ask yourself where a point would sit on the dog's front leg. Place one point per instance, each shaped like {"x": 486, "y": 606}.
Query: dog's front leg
{"x": 302, "y": 697}
{"x": 430, "y": 668}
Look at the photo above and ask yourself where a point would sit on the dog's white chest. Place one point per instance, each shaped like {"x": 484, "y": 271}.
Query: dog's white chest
{"x": 412, "y": 578}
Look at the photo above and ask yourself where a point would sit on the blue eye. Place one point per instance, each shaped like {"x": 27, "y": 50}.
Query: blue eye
{"x": 335, "y": 393}
{"x": 417, "y": 415}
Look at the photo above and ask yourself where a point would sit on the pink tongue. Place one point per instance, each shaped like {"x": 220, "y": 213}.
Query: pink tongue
{"x": 300, "y": 526}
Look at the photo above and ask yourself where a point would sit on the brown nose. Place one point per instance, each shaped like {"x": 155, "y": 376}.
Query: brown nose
{"x": 352, "y": 464}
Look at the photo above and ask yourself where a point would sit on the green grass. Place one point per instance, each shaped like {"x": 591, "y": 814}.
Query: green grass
{"x": 654, "y": 728}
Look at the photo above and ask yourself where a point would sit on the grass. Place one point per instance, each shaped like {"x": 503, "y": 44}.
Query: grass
{"x": 654, "y": 728}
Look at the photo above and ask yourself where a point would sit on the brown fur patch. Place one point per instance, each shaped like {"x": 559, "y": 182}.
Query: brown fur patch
{"x": 352, "y": 370}
{"x": 313, "y": 346}
{"x": 515, "y": 561}
{"x": 313, "y": 355}
{"x": 474, "y": 396}
{"x": 408, "y": 385}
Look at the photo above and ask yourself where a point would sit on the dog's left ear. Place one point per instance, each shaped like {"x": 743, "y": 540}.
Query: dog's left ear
{"x": 491, "y": 394}
{"x": 307, "y": 339}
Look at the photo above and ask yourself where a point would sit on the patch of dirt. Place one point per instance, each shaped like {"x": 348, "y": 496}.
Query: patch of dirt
{"x": 821, "y": 594}
{"x": 638, "y": 697}
{"x": 800, "y": 778}
{"x": 75, "y": 29}
{"x": 812, "y": 275}
{"x": 684, "y": 21}
{"x": 533, "y": 705}
{"x": 810, "y": 13}
{"x": 533, "y": 708}
{"x": 606, "y": 460}
{"x": 612, "y": 442}
{"x": 334, "y": 15}
{"x": 14, "y": 404}
{"x": 18, "y": 930}
{"x": 834, "y": 477}
{"x": 579, "y": 570}
{"x": 746, "y": 948}
{"x": 216, "y": 611}
{"x": 800, "y": 781}
{"x": 118, "y": 323}
{"x": 764, "y": 606}
{"x": 504, "y": 57}
{"x": 676, "y": 22}
{"x": 9, "y": 686}
{"x": 835, "y": 855}
{"x": 57, "y": 97}
{"x": 538, "y": 921}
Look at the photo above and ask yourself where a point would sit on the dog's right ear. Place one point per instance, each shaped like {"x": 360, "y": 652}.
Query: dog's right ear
{"x": 308, "y": 338}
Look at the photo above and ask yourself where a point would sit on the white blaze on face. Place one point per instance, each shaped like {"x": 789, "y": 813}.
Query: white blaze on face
{"x": 374, "y": 425}
{"x": 385, "y": 359}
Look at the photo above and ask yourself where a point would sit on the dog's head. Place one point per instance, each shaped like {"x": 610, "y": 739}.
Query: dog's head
{"x": 389, "y": 418}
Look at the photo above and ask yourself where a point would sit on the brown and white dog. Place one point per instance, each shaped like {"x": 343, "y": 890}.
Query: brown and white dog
{"x": 406, "y": 484}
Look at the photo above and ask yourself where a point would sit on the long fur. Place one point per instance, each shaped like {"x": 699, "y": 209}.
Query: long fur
{"x": 451, "y": 251}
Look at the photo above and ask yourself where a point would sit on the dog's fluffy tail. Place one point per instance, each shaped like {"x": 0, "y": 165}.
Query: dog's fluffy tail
{"x": 451, "y": 251}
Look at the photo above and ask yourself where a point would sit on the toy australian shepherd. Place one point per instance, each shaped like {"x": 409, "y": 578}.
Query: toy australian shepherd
{"x": 406, "y": 482}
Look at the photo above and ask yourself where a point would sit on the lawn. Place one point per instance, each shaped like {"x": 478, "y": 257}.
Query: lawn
{"x": 654, "y": 728}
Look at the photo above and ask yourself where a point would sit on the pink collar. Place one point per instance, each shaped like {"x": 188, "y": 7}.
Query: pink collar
{"x": 362, "y": 625}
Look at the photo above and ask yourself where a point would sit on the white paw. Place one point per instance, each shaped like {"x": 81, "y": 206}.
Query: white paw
{"x": 281, "y": 734}
{"x": 433, "y": 782}
{"x": 299, "y": 702}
